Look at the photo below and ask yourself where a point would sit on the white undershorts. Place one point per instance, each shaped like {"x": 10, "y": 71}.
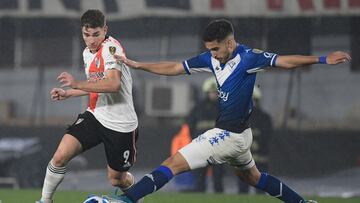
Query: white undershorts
{"x": 217, "y": 146}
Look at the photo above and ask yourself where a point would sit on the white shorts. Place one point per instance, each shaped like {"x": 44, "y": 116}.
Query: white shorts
{"x": 217, "y": 146}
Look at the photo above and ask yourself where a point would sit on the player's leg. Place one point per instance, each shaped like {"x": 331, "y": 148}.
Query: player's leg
{"x": 247, "y": 171}
{"x": 261, "y": 167}
{"x": 158, "y": 178}
{"x": 120, "y": 149}
{"x": 80, "y": 136}
{"x": 68, "y": 148}
{"x": 192, "y": 156}
{"x": 123, "y": 180}
{"x": 269, "y": 184}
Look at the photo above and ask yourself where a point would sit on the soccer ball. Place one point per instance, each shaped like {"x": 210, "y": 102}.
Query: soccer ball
{"x": 95, "y": 199}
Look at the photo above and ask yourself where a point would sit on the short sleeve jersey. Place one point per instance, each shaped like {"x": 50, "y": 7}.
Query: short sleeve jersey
{"x": 235, "y": 81}
{"x": 113, "y": 110}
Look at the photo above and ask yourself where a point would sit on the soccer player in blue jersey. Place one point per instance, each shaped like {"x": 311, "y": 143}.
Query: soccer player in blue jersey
{"x": 234, "y": 66}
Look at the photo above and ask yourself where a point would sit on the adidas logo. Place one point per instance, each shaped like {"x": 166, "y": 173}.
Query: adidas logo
{"x": 79, "y": 121}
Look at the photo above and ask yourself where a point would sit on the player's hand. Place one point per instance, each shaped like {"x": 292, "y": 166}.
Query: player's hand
{"x": 67, "y": 80}
{"x": 337, "y": 57}
{"x": 124, "y": 60}
{"x": 57, "y": 94}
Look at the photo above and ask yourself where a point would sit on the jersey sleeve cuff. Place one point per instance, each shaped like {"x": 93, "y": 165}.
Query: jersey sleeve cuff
{"x": 273, "y": 60}
{"x": 186, "y": 67}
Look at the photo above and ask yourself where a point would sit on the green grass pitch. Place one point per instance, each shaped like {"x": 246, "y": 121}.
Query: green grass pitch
{"x": 29, "y": 196}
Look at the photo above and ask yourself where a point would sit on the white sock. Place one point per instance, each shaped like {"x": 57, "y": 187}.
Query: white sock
{"x": 54, "y": 176}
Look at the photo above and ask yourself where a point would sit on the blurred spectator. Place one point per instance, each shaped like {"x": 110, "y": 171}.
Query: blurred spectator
{"x": 201, "y": 119}
{"x": 184, "y": 181}
{"x": 261, "y": 126}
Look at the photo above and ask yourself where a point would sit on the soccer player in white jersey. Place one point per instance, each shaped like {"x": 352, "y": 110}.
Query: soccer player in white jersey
{"x": 110, "y": 117}
{"x": 234, "y": 67}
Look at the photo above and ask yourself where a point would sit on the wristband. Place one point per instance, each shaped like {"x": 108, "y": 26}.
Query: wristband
{"x": 322, "y": 59}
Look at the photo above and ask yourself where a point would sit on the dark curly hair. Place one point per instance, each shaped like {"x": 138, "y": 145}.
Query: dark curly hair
{"x": 217, "y": 30}
{"x": 92, "y": 19}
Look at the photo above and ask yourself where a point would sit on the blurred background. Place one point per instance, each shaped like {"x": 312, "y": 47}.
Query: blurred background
{"x": 315, "y": 111}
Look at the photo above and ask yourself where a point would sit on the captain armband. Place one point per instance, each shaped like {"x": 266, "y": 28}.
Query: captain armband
{"x": 322, "y": 60}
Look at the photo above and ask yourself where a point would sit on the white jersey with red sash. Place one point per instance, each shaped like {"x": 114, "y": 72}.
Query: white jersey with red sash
{"x": 113, "y": 110}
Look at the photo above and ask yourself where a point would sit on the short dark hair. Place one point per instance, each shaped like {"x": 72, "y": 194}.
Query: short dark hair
{"x": 92, "y": 19}
{"x": 217, "y": 30}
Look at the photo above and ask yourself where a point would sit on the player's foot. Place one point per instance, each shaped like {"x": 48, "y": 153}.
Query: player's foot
{"x": 310, "y": 201}
{"x": 45, "y": 201}
{"x": 117, "y": 199}
{"x": 116, "y": 192}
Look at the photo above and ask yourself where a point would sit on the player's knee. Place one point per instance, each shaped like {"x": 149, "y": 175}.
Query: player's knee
{"x": 59, "y": 159}
{"x": 176, "y": 164}
{"x": 252, "y": 178}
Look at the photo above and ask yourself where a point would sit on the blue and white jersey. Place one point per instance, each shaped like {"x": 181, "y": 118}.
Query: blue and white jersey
{"x": 235, "y": 81}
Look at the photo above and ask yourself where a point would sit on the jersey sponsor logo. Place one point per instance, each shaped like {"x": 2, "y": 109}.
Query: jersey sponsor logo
{"x": 112, "y": 50}
{"x": 223, "y": 95}
{"x": 96, "y": 76}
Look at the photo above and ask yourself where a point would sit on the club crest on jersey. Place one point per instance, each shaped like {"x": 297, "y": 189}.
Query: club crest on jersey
{"x": 112, "y": 50}
{"x": 232, "y": 64}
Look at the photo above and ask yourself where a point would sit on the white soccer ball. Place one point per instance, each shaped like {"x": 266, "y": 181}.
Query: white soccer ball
{"x": 95, "y": 199}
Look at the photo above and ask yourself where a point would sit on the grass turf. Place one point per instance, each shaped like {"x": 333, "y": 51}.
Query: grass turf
{"x": 29, "y": 196}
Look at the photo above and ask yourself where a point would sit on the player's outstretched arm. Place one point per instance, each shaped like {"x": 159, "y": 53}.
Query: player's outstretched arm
{"x": 294, "y": 61}
{"x": 110, "y": 83}
{"x": 160, "y": 68}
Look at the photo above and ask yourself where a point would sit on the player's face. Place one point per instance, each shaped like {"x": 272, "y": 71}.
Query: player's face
{"x": 219, "y": 50}
{"x": 93, "y": 37}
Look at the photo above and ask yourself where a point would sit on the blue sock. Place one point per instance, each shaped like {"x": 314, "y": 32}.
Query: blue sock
{"x": 150, "y": 183}
{"x": 277, "y": 189}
